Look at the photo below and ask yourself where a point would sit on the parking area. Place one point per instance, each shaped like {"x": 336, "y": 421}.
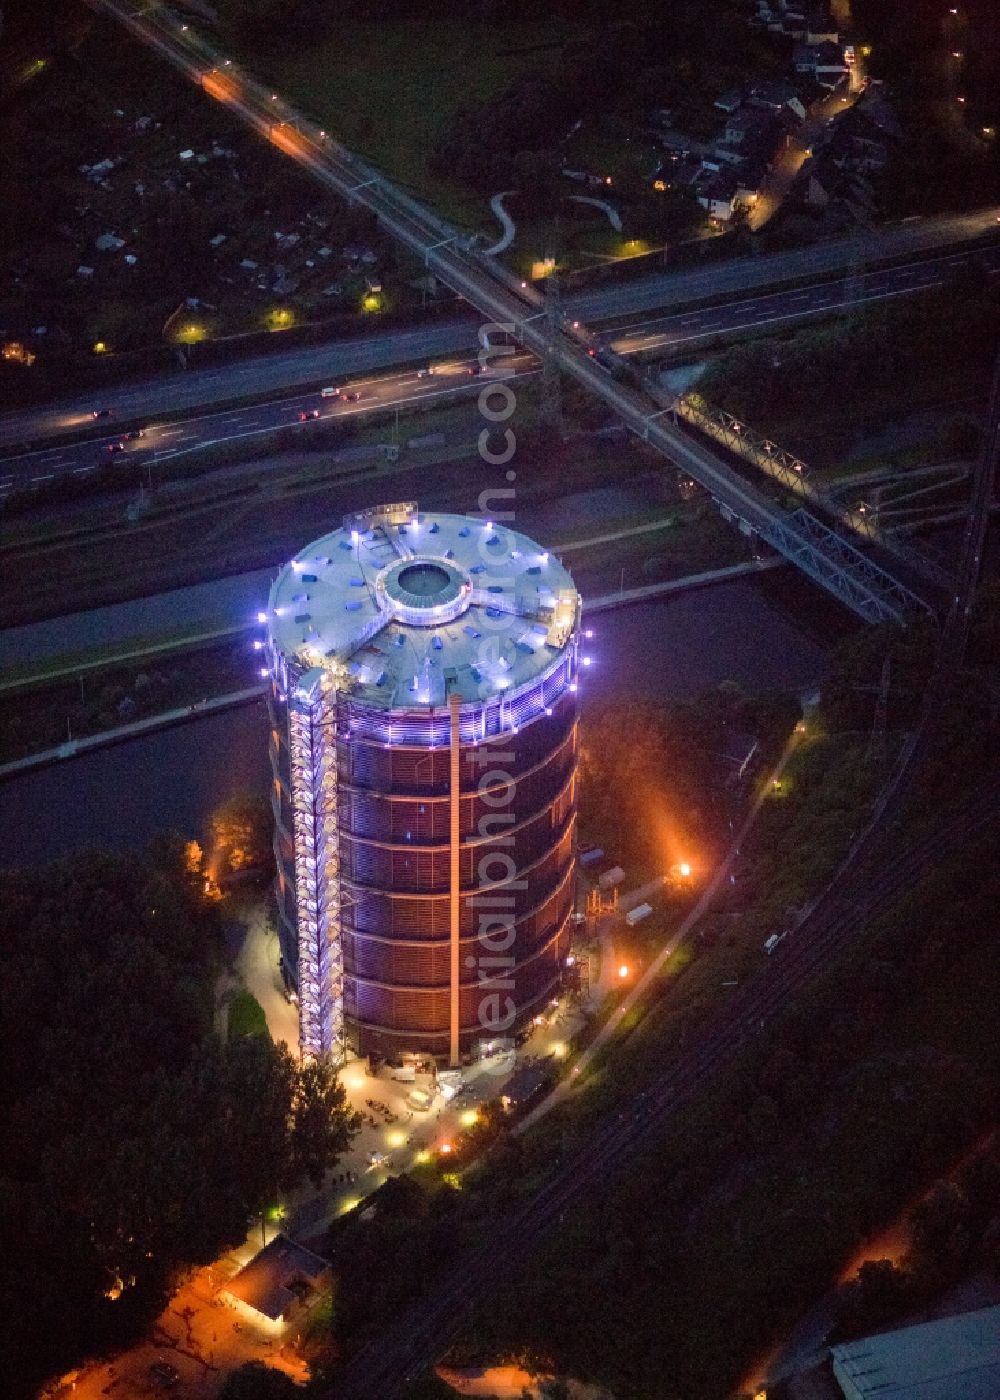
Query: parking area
{"x": 408, "y": 1121}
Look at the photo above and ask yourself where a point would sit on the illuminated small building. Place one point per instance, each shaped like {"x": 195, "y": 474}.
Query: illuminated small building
{"x": 424, "y": 744}
{"x": 277, "y": 1285}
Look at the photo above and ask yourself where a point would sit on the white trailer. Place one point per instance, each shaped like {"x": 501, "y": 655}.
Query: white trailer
{"x": 636, "y": 915}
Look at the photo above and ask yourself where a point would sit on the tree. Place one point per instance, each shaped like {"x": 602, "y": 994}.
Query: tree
{"x": 939, "y": 1231}
{"x": 322, "y": 1125}
{"x": 257, "y": 1381}
{"x": 536, "y": 174}
{"x": 878, "y": 1295}
{"x": 239, "y": 836}
{"x": 133, "y": 1142}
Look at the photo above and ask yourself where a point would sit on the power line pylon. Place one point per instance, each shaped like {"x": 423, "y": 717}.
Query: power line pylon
{"x": 876, "y": 741}
{"x": 551, "y": 409}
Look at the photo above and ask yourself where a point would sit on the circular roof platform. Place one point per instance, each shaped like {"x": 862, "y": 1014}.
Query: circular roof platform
{"x": 406, "y": 608}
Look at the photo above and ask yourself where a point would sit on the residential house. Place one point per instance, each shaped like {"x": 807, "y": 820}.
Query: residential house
{"x": 792, "y": 17}
{"x": 825, "y": 62}
{"x": 751, "y": 177}
{"x": 845, "y": 196}
{"x": 756, "y": 135}
{"x": 857, "y": 143}
{"x": 777, "y": 96}
{"x": 676, "y": 173}
{"x": 729, "y": 101}
{"x": 717, "y": 195}
{"x": 820, "y": 28}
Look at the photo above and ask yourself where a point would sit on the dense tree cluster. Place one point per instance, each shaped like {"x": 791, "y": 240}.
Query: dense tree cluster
{"x": 653, "y": 777}
{"x": 940, "y": 333}
{"x": 239, "y": 836}
{"x": 688, "y": 1262}
{"x": 133, "y": 1141}
{"x": 618, "y": 66}
{"x": 951, "y": 1232}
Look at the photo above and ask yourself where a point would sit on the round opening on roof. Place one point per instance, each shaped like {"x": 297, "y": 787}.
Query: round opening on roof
{"x": 423, "y": 591}
{"x": 424, "y": 580}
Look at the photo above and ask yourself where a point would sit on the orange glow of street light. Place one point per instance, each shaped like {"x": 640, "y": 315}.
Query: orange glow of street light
{"x": 445, "y": 1148}
{"x": 685, "y": 869}
{"x": 623, "y": 970}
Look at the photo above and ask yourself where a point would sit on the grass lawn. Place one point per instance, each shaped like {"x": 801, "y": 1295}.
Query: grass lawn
{"x": 388, "y": 89}
{"x": 246, "y": 1016}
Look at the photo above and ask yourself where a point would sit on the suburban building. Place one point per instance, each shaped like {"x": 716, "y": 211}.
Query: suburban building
{"x": 525, "y": 1086}
{"x": 718, "y": 195}
{"x": 277, "y": 1285}
{"x": 953, "y": 1358}
{"x": 729, "y": 100}
{"x": 825, "y": 62}
{"x": 778, "y": 96}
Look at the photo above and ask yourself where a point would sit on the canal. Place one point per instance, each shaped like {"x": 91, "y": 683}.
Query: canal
{"x": 772, "y": 632}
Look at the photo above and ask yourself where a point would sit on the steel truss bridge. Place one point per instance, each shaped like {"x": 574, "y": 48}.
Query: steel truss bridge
{"x": 823, "y": 552}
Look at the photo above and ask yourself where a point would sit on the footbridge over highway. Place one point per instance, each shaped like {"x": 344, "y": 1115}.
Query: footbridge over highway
{"x": 845, "y": 570}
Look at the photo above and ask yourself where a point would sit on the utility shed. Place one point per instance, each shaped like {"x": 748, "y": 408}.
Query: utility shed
{"x": 525, "y": 1085}
{"x": 954, "y": 1358}
{"x": 277, "y": 1281}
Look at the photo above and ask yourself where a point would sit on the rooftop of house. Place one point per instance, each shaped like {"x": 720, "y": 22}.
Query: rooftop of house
{"x": 270, "y": 1283}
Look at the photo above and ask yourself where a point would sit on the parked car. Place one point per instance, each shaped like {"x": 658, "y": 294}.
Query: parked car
{"x": 162, "y": 1374}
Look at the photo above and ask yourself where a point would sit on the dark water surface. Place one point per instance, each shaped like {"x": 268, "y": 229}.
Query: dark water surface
{"x": 769, "y": 633}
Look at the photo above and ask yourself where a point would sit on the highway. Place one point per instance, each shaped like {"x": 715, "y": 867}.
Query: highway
{"x": 285, "y": 377}
{"x": 500, "y": 297}
{"x": 777, "y": 310}
{"x": 913, "y": 238}
{"x": 167, "y": 438}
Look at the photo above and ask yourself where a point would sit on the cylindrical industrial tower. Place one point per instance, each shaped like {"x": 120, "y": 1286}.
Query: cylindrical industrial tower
{"x": 424, "y": 744}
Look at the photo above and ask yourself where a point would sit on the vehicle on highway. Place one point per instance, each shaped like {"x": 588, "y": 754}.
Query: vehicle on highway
{"x": 134, "y": 434}
{"x": 118, "y": 445}
{"x": 101, "y": 412}
{"x": 329, "y": 392}
{"x": 351, "y": 395}
{"x": 306, "y": 413}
